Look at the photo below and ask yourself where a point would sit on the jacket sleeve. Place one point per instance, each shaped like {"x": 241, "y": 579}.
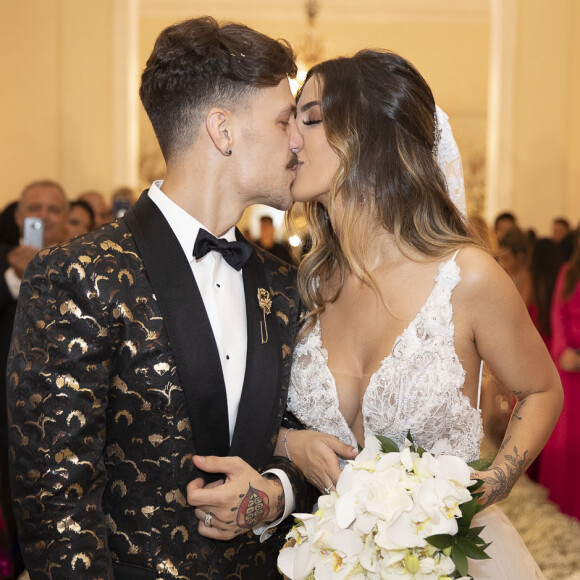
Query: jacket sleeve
{"x": 58, "y": 372}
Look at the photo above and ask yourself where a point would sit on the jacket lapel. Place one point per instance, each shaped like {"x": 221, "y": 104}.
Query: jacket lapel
{"x": 261, "y": 390}
{"x": 190, "y": 334}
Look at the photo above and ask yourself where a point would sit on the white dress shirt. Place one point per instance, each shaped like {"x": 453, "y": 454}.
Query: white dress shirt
{"x": 222, "y": 290}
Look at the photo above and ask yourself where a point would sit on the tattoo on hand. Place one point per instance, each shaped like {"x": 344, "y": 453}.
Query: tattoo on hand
{"x": 253, "y": 509}
{"x": 501, "y": 481}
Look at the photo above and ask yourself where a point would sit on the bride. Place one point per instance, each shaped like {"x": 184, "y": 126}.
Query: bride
{"x": 404, "y": 306}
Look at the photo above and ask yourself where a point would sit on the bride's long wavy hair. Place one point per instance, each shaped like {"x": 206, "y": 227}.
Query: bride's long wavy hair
{"x": 378, "y": 115}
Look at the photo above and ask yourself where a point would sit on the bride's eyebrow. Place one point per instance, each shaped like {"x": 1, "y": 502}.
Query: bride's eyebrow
{"x": 309, "y": 105}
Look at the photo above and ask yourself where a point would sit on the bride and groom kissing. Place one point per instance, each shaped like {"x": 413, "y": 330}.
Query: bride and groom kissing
{"x": 176, "y": 392}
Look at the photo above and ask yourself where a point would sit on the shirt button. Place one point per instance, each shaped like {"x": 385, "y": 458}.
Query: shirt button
{"x": 218, "y": 285}
{"x": 227, "y": 356}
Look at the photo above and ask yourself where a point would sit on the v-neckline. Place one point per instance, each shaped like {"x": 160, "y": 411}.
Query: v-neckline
{"x": 412, "y": 323}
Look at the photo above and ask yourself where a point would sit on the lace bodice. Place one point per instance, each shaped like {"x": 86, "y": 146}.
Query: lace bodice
{"x": 417, "y": 388}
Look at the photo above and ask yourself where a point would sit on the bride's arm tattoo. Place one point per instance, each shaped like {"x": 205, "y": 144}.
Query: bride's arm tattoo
{"x": 255, "y": 505}
{"x": 518, "y": 406}
{"x": 501, "y": 480}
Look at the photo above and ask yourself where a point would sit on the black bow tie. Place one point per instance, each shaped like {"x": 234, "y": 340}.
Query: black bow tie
{"x": 236, "y": 254}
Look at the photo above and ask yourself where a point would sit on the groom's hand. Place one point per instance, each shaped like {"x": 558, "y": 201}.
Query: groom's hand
{"x": 235, "y": 505}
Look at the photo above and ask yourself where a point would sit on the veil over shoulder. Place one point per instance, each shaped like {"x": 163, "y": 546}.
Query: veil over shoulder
{"x": 449, "y": 160}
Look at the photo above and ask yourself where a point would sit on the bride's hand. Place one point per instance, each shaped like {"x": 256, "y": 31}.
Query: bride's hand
{"x": 316, "y": 455}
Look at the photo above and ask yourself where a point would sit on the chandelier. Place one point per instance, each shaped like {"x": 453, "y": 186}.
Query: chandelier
{"x": 311, "y": 47}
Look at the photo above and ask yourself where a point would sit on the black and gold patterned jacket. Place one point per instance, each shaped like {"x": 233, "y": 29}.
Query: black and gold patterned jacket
{"x": 114, "y": 381}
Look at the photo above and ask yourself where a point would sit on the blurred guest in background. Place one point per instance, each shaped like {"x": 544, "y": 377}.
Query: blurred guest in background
{"x": 545, "y": 264}
{"x": 9, "y": 232}
{"x": 513, "y": 256}
{"x": 267, "y": 240}
{"x": 559, "y": 467}
{"x": 560, "y": 228}
{"x": 80, "y": 219}
{"x": 503, "y": 223}
{"x": 123, "y": 199}
{"x": 101, "y": 209}
{"x": 45, "y": 199}
{"x": 567, "y": 246}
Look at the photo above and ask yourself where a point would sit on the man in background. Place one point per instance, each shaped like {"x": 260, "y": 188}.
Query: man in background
{"x": 268, "y": 242}
{"x": 560, "y": 229}
{"x": 504, "y": 222}
{"x": 101, "y": 210}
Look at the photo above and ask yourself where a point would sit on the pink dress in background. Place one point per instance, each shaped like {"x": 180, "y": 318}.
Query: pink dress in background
{"x": 5, "y": 563}
{"x": 560, "y": 464}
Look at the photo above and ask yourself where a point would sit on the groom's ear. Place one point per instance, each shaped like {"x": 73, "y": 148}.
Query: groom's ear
{"x": 217, "y": 126}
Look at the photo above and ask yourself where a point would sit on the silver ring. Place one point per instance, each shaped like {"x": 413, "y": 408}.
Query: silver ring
{"x": 207, "y": 520}
{"x": 327, "y": 489}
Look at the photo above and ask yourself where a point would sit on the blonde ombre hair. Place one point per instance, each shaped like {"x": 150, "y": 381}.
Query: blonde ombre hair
{"x": 378, "y": 115}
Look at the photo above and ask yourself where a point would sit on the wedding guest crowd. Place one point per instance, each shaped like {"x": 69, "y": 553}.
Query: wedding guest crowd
{"x": 47, "y": 200}
{"x": 559, "y": 468}
{"x": 547, "y": 273}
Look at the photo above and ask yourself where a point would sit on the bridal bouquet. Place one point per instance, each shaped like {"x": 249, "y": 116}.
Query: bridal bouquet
{"x": 394, "y": 513}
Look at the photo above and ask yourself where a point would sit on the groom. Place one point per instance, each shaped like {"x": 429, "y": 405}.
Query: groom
{"x": 150, "y": 359}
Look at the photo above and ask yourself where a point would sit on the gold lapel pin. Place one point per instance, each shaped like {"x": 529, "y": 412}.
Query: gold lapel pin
{"x": 265, "y": 303}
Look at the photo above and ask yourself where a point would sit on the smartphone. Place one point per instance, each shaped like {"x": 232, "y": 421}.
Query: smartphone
{"x": 120, "y": 206}
{"x": 34, "y": 232}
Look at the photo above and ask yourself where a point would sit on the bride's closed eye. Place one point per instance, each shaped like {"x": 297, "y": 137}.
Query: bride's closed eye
{"x": 312, "y": 122}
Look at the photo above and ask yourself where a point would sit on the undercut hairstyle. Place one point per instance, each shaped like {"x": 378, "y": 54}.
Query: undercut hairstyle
{"x": 378, "y": 115}
{"x": 198, "y": 64}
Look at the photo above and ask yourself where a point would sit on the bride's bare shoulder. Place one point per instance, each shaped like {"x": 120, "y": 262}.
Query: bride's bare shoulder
{"x": 480, "y": 271}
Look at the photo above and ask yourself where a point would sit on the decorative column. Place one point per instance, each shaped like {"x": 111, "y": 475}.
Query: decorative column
{"x": 125, "y": 93}
{"x": 501, "y": 98}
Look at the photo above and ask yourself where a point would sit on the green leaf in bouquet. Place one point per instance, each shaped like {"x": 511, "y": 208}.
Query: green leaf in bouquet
{"x": 482, "y": 464}
{"x": 459, "y": 559}
{"x": 360, "y": 447}
{"x": 468, "y": 510}
{"x": 474, "y": 487}
{"x": 473, "y": 533}
{"x": 470, "y": 549}
{"x": 388, "y": 445}
{"x": 440, "y": 541}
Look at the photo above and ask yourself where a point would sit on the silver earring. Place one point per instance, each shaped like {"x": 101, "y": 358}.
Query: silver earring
{"x": 228, "y": 152}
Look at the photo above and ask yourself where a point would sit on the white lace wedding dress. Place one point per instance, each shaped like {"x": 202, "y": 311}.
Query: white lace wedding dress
{"x": 417, "y": 388}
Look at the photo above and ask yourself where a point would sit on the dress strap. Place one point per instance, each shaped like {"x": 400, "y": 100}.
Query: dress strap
{"x": 455, "y": 255}
{"x": 479, "y": 386}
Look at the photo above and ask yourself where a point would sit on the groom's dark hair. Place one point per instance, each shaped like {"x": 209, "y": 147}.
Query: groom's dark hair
{"x": 198, "y": 64}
